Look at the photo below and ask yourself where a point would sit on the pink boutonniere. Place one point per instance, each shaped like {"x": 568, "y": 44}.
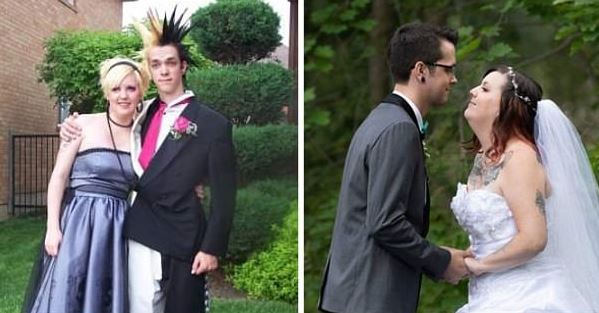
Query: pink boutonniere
{"x": 183, "y": 127}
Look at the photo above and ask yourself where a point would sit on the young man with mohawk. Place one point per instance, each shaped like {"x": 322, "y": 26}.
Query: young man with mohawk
{"x": 177, "y": 143}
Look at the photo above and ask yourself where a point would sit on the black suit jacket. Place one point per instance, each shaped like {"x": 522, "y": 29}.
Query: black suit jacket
{"x": 378, "y": 251}
{"x": 166, "y": 215}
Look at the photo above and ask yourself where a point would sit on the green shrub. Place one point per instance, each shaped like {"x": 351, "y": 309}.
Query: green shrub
{"x": 272, "y": 274}
{"x": 236, "y": 31}
{"x": 265, "y": 150}
{"x": 71, "y": 64}
{"x": 254, "y": 93}
{"x": 72, "y": 60}
{"x": 259, "y": 206}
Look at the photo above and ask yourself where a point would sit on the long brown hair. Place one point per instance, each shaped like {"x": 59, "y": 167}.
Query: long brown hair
{"x": 517, "y": 110}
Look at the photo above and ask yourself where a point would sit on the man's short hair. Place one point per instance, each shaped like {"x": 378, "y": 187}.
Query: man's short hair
{"x": 415, "y": 42}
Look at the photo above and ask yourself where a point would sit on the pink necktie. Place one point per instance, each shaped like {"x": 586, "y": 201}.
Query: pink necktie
{"x": 148, "y": 147}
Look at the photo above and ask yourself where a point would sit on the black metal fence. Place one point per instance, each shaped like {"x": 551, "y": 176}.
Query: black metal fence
{"x": 31, "y": 160}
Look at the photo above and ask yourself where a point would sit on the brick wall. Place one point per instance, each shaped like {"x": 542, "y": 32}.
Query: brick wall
{"x": 25, "y": 104}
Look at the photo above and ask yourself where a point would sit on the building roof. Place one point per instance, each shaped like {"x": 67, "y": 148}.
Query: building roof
{"x": 281, "y": 54}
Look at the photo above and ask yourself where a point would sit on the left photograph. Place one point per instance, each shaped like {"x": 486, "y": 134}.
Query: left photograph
{"x": 150, "y": 156}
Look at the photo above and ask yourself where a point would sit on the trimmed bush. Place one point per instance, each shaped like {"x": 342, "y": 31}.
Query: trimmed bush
{"x": 272, "y": 274}
{"x": 236, "y": 31}
{"x": 259, "y": 206}
{"x": 265, "y": 150}
{"x": 254, "y": 93}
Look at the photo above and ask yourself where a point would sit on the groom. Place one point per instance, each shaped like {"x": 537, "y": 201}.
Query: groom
{"x": 177, "y": 144}
{"x": 378, "y": 250}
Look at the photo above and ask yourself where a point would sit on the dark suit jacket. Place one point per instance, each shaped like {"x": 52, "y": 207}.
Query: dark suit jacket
{"x": 166, "y": 215}
{"x": 378, "y": 252}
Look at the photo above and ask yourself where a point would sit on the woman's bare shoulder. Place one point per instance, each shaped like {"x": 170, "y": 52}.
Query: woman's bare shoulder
{"x": 523, "y": 165}
{"x": 91, "y": 120}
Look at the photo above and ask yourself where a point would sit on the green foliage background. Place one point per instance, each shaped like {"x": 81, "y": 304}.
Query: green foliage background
{"x": 271, "y": 274}
{"x": 265, "y": 151}
{"x": 236, "y": 31}
{"x": 260, "y": 205}
{"x": 71, "y": 65}
{"x": 72, "y": 62}
{"x": 553, "y": 41}
{"x": 251, "y": 93}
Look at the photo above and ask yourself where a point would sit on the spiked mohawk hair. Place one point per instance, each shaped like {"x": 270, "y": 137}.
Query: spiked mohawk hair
{"x": 163, "y": 33}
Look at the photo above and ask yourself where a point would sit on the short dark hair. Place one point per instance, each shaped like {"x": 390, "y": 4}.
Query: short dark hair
{"x": 415, "y": 42}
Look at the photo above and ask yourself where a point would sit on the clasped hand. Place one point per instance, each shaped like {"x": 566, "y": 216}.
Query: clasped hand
{"x": 457, "y": 268}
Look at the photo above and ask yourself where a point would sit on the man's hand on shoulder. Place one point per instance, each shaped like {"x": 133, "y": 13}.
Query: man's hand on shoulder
{"x": 70, "y": 129}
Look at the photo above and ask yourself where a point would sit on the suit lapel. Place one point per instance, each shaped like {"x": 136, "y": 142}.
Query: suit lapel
{"x": 138, "y": 132}
{"x": 399, "y": 101}
{"x": 152, "y": 108}
{"x": 170, "y": 147}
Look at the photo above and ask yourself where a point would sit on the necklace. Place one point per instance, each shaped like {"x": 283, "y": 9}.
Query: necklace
{"x": 117, "y": 124}
{"x": 131, "y": 182}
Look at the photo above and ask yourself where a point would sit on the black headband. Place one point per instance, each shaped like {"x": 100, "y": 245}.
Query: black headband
{"x": 124, "y": 63}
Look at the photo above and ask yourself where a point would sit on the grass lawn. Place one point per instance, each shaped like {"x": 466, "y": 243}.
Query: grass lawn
{"x": 251, "y": 306}
{"x": 19, "y": 241}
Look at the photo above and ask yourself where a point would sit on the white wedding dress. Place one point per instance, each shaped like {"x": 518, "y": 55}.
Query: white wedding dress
{"x": 539, "y": 285}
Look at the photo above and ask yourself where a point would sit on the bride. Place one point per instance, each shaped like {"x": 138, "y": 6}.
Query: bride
{"x": 530, "y": 205}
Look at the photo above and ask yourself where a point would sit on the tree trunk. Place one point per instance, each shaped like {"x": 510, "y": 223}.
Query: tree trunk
{"x": 378, "y": 73}
{"x": 293, "y": 52}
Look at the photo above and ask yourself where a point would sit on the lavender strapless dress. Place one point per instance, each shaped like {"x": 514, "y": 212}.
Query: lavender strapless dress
{"x": 89, "y": 273}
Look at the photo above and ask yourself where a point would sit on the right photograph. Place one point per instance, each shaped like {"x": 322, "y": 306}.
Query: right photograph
{"x": 451, "y": 156}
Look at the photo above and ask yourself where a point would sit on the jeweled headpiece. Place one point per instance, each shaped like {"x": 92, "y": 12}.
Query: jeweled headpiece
{"x": 512, "y": 77}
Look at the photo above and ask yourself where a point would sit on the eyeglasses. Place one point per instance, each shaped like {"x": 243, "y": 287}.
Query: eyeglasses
{"x": 448, "y": 68}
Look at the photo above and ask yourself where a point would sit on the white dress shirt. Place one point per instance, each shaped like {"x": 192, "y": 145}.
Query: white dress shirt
{"x": 420, "y": 123}
{"x": 414, "y": 108}
{"x": 171, "y": 113}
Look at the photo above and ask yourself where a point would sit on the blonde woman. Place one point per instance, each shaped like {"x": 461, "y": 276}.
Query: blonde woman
{"x": 82, "y": 267}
